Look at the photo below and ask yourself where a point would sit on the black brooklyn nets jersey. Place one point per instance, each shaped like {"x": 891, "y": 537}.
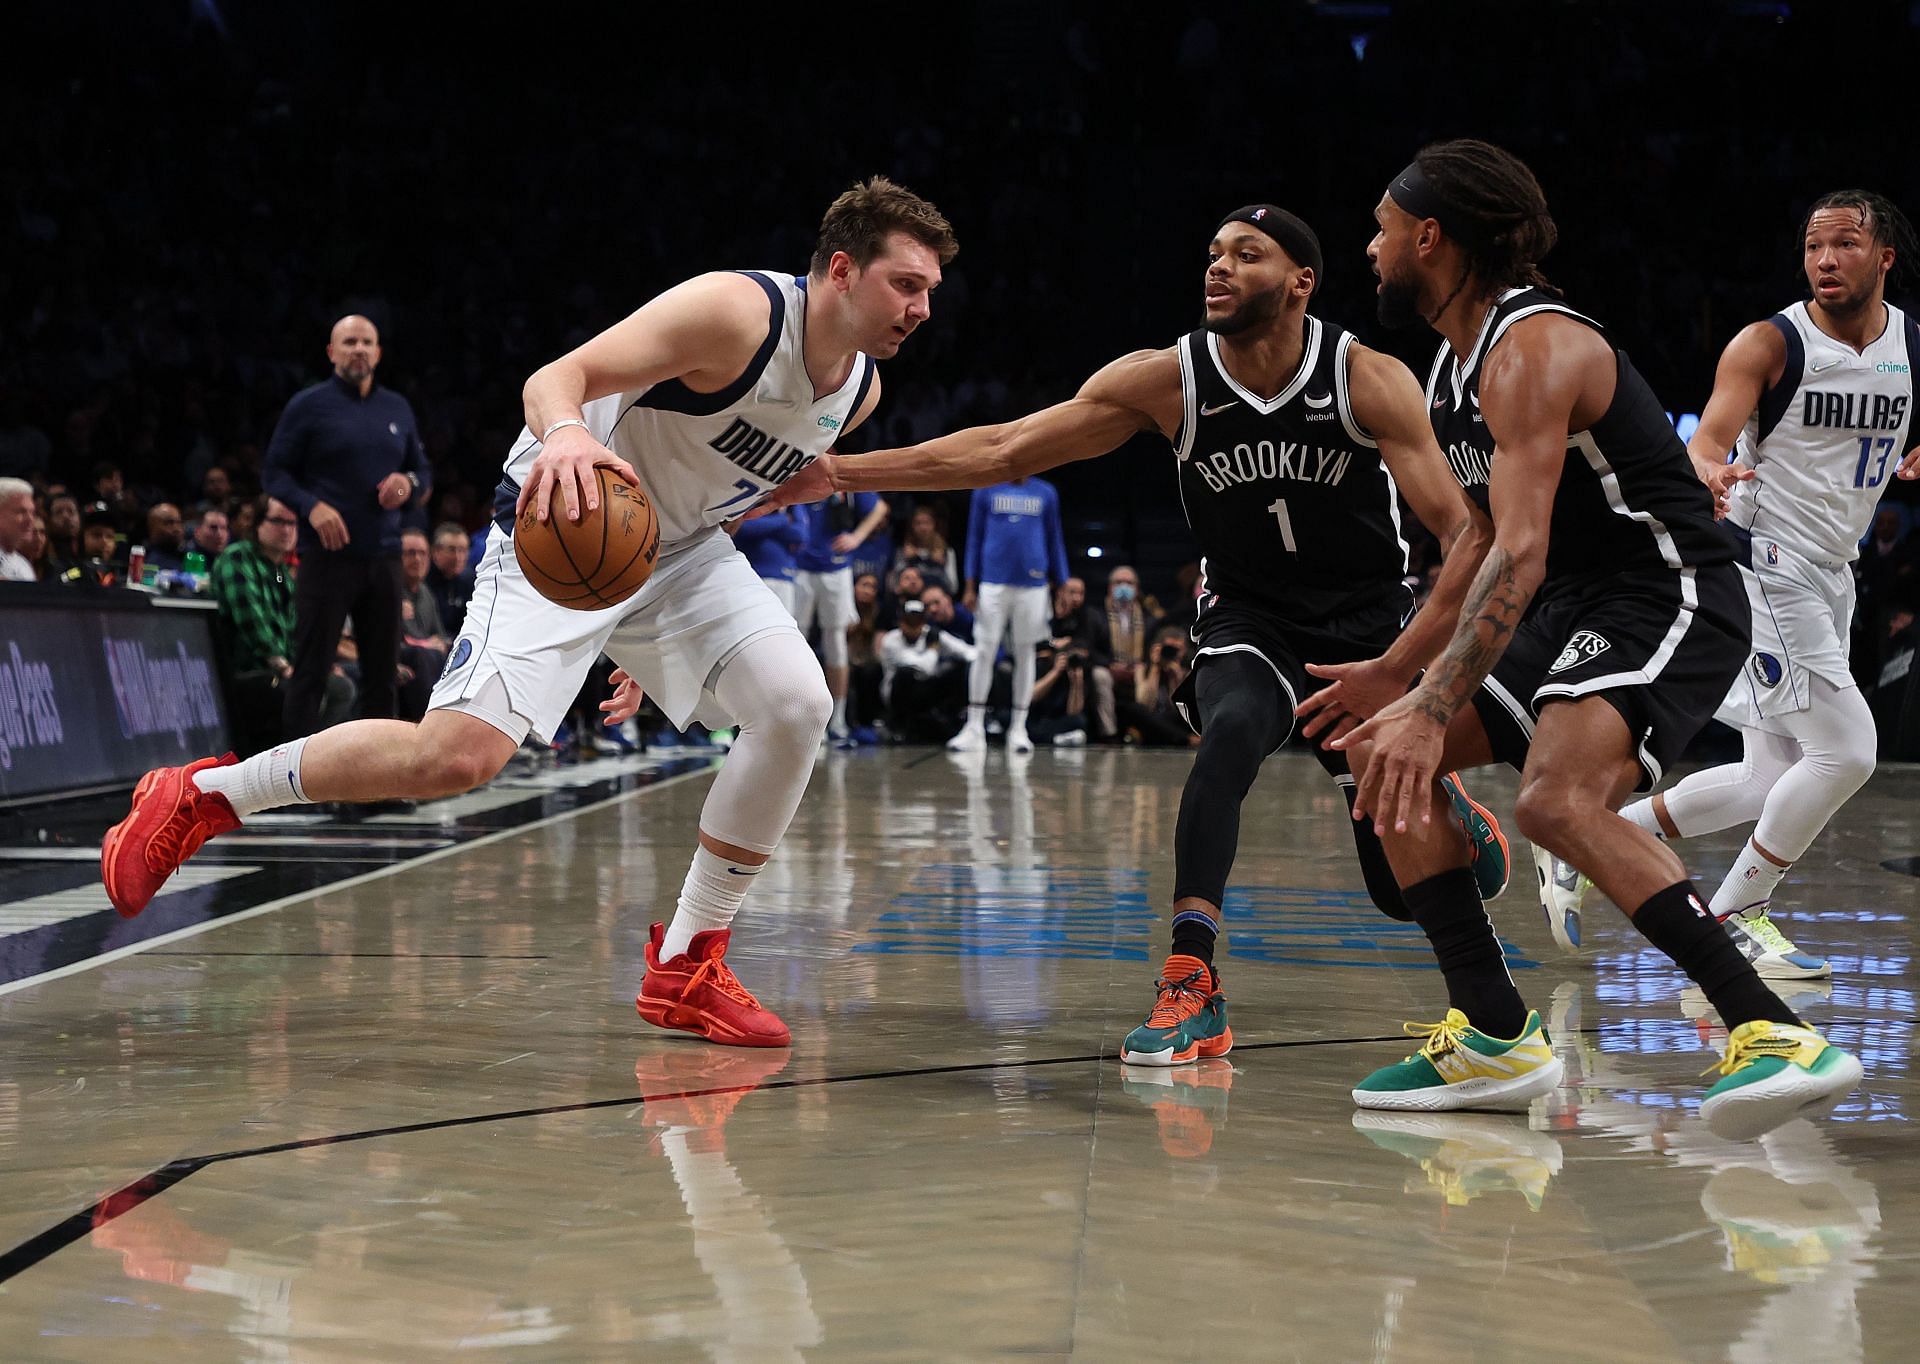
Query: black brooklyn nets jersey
{"x": 1628, "y": 497}
{"x": 1287, "y": 496}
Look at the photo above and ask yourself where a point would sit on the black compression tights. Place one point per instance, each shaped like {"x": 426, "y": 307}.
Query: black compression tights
{"x": 1244, "y": 716}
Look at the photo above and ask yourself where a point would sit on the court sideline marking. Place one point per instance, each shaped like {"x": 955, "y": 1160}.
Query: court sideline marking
{"x": 191, "y": 930}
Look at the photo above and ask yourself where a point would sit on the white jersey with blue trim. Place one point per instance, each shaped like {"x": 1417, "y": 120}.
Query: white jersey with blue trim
{"x": 1826, "y": 439}
{"x": 705, "y": 458}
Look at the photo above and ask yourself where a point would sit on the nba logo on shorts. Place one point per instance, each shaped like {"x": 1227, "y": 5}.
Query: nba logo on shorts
{"x": 1767, "y": 670}
{"x": 1584, "y": 645}
{"x": 1773, "y": 554}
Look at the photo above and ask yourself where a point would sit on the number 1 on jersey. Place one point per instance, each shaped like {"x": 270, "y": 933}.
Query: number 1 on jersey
{"x": 1279, "y": 510}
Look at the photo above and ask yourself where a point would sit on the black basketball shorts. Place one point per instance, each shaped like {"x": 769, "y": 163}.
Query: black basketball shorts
{"x": 1287, "y": 647}
{"x": 1661, "y": 647}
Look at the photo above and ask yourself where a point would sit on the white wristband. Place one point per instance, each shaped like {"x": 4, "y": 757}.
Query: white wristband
{"x": 570, "y": 421}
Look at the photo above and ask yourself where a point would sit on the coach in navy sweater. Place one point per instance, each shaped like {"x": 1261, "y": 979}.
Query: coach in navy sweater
{"x": 347, "y": 457}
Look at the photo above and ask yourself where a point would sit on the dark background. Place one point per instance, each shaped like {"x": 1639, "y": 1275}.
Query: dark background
{"x": 194, "y": 192}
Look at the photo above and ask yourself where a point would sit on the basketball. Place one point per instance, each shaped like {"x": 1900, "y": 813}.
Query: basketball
{"x": 598, "y": 561}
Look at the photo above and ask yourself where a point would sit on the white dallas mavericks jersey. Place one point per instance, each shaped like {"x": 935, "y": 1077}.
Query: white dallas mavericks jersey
{"x": 705, "y": 458}
{"x": 1827, "y": 437}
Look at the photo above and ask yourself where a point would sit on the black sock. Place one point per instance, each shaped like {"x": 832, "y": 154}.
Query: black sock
{"x": 1678, "y": 923}
{"x": 1194, "y": 934}
{"x": 1447, "y": 907}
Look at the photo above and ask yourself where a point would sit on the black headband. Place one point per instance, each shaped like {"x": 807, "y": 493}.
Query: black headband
{"x": 1294, "y": 236}
{"x": 1422, "y": 198}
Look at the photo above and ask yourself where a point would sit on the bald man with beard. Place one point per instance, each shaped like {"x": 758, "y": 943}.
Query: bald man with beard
{"x": 346, "y": 457}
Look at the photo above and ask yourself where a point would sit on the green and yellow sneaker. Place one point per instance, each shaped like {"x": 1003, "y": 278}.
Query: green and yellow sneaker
{"x": 1189, "y": 1018}
{"x": 1491, "y": 863}
{"x": 1773, "y": 1073}
{"x": 1458, "y": 1066}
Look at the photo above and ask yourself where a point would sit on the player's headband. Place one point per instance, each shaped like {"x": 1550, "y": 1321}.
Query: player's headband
{"x": 1294, "y": 236}
{"x": 1422, "y": 198}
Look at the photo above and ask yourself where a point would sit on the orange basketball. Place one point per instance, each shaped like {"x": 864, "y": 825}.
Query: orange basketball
{"x": 601, "y": 559}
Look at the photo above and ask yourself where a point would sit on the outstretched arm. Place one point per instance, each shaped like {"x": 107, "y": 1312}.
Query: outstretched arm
{"x": 1138, "y": 392}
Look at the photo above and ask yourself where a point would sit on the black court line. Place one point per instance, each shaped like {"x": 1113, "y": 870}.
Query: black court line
{"x": 382, "y": 956}
{"x": 124, "y": 1200}
{"x": 924, "y": 758}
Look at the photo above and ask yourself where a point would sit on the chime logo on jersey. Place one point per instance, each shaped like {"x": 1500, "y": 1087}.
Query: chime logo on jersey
{"x": 1767, "y": 670}
{"x": 1269, "y": 460}
{"x": 765, "y": 457}
{"x": 1584, "y": 645}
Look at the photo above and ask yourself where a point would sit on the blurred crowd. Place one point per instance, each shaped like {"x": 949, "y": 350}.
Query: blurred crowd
{"x": 205, "y": 192}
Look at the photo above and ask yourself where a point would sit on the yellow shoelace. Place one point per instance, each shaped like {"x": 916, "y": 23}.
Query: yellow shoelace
{"x": 1744, "y": 1051}
{"x": 1442, "y": 1037}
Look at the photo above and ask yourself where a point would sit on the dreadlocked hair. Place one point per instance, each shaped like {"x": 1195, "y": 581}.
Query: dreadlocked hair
{"x": 1497, "y": 192}
{"x": 1886, "y": 225}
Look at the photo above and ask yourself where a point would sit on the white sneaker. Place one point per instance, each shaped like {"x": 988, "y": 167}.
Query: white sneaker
{"x": 1072, "y": 738}
{"x": 1772, "y": 952}
{"x": 1019, "y": 741}
{"x": 1563, "y": 893}
{"x": 970, "y": 739}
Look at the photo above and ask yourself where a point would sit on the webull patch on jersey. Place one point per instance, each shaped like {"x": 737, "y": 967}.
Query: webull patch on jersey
{"x": 1584, "y": 645}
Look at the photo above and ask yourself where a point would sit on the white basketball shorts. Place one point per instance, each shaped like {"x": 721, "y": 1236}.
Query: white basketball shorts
{"x": 1802, "y": 615}
{"x": 520, "y": 660}
{"x": 1027, "y": 612}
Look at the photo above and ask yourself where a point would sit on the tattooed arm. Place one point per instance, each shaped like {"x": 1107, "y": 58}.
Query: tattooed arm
{"x": 1549, "y": 376}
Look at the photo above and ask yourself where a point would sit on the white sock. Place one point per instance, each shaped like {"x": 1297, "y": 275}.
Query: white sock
{"x": 977, "y": 716}
{"x": 1640, "y": 815}
{"x": 839, "y": 713}
{"x": 1019, "y": 725}
{"x": 709, "y": 899}
{"x": 262, "y": 782}
{"x": 1749, "y": 884}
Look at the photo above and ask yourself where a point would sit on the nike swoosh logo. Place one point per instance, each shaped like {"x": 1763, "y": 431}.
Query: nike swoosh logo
{"x": 1820, "y": 368}
{"x": 735, "y": 871}
{"x": 1209, "y": 411}
{"x": 1324, "y": 400}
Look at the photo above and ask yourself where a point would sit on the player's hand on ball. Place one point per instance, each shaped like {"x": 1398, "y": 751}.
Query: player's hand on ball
{"x": 624, "y": 704}
{"x": 567, "y": 463}
{"x": 812, "y": 484}
{"x": 1394, "y": 785}
{"x": 1359, "y": 692}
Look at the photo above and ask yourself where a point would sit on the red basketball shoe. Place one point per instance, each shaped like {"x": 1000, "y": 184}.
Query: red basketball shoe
{"x": 696, "y": 992}
{"x": 170, "y": 819}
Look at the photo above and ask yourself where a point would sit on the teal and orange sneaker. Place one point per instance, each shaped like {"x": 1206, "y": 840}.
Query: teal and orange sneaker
{"x": 1189, "y": 1018}
{"x": 1491, "y": 863}
{"x": 1773, "y": 1073}
{"x": 1458, "y": 1066}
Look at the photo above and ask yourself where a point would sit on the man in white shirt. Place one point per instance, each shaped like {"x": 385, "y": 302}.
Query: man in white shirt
{"x": 16, "y": 524}
{"x": 923, "y": 677}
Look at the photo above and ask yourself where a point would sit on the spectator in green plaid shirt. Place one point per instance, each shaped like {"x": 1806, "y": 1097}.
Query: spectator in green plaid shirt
{"x": 253, "y": 588}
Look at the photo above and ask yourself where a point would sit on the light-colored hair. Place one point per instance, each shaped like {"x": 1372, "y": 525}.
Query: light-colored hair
{"x": 11, "y": 488}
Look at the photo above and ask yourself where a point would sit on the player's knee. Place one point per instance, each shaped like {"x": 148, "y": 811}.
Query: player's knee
{"x": 1550, "y": 815}
{"x": 1848, "y": 767}
{"x": 440, "y": 770}
{"x": 796, "y": 715}
{"x": 1232, "y": 746}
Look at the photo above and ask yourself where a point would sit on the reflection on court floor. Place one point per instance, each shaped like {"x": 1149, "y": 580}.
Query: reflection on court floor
{"x": 413, "y": 1113}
